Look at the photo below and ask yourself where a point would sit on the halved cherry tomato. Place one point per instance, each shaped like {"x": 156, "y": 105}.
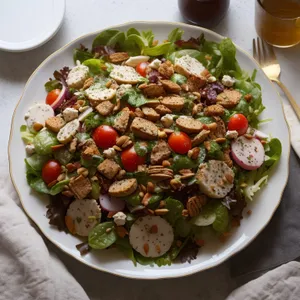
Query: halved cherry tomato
{"x": 239, "y": 123}
{"x": 142, "y": 67}
{"x": 180, "y": 142}
{"x": 131, "y": 160}
{"x": 51, "y": 170}
{"x": 105, "y": 136}
{"x": 52, "y": 96}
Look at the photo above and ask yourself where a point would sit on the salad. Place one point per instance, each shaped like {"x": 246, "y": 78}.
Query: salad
{"x": 144, "y": 146}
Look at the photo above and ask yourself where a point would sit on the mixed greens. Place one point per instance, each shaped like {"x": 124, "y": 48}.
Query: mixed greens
{"x": 142, "y": 144}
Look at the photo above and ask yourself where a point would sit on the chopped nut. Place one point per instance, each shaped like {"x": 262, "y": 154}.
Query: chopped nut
{"x": 71, "y": 167}
{"x": 185, "y": 213}
{"x": 161, "y": 211}
{"x": 197, "y": 109}
{"x": 168, "y": 131}
{"x": 248, "y": 136}
{"x": 83, "y": 108}
{"x": 157, "y": 247}
{"x": 61, "y": 177}
{"x": 108, "y": 84}
{"x": 121, "y": 140}
{"x": 145, "y": 200}
{"x": 83, "y": 171}
{"x": 212, "y": 126}
{"x": 73, "y": 145}
{"x": 220, "y": 140}
{"x": 108, "y": 230}
{"x": 195, "y": 204}
{"x": 37, "y": 126}
{"x": 141, "y": 194}
{"x": 248, "y": 97}
{"x": 109, "y": 153}
{"x": 56, "y": 147}
{"x": 194, "y": 153}
{"x": 243, "y": 185}
{"x": 207, "y": 145}
{"x": 117, "y": 148}
{"x": 166, "y": 163}
{"x": 150, "y": 212}
{"x": 89, "y": 82}
{"x": 117, "y": 106}
{"x": 150, "y": 187}
{"x": 176, "y": 184}
{"x": 52, "y": 183}
{"x": 162, "y": 204}
{"x": 229, "y": 177}
{"x": 162, "y": 134}
{"x": 143, "y": 188}
{"x": 121, "y": 231}
{"x": 68, "y": 194}
{"x": 94, "y": 179}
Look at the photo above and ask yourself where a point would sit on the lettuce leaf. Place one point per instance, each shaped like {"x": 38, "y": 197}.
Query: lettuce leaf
{"x": 26, "y": 135}
{"x": 134, "y": 98}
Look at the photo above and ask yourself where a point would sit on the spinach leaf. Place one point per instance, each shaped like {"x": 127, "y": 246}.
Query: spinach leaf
{"x": 206, "y": 120}
{"x": 133, "y": 199}
{"x": 38, "y": 184}
{"x": 37, "y": 161}
{"x": 175, "y": 35}
{"x": 93, "y": 120}
{"x": 157, "y": 50}
{"x": 183, "y": 162}
{"x": 95, "y": 193}
{"x": 104, "y": 37}
{"x": 81, "y": 55}
{"x": 94, "y": 162}
{"x": 82, "y": 136}
{"x": 52, "y": 85}
{"x": 26, "y": 135}
{"x": 178, "y": 78}
{"x": 99, "y": 238}
{"x": 43, "y": 142}
{"x": 175, "y": 208}
{"x": 141, "y": 149}
{"x": 63, "y": 155}
{"x": 215, "y": 150}
{"x": 124, "y": 246}
{"x": 222, "y": 218}
{"x": 58, "y": 188}
{"x": 96, "y": 66}
{"x": 191, "y": 52}
{"x": 134, "y": 98}
{"x": 182, "y": 227}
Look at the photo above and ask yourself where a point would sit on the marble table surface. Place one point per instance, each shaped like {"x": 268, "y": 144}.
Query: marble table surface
{"x": 90, "y": 15}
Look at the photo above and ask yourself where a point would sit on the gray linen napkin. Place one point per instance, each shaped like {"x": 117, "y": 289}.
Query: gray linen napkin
{"x": 279, "y": 242}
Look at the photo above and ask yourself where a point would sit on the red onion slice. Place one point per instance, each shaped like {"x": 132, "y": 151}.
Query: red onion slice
{"x": 111, "y": 203}
{"x": 61, "y": 97}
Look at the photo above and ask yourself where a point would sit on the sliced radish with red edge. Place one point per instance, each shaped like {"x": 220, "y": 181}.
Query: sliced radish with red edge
{"x": 111, "y": 203}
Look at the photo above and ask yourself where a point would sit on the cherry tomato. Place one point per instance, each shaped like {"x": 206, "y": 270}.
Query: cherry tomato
{"x": 131, "y": 160}
{"x": 142, "y": 67}
{"x": 180, "y": 142}
{"x": 105, "y": 136}
{"x": 239, "y": 123}
{"x": 52, "y": 96}
{"x": 51, "y": 170}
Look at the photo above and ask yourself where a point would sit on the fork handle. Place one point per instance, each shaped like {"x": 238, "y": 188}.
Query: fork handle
{"x": 289, "y": 96}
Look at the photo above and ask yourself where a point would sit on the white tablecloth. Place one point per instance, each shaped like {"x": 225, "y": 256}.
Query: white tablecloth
{"x": 90, "y": 15}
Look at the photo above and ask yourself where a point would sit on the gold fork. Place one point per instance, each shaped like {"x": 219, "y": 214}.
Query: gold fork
{"x": 265, "y": 55}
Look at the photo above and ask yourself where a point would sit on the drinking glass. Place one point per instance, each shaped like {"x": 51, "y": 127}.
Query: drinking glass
{"x": 278, "y": 22}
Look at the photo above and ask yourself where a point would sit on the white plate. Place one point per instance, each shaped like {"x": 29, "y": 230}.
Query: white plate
{"x": 28, "y": 24}
{"x": 112, "y": 261}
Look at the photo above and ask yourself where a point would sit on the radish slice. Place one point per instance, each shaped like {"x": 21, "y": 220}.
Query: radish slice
{"x": 260, "y": 135}
{"x": 248, "y": 153}
{"x": 61, "y": 97}
{"x": 111, "y": 203}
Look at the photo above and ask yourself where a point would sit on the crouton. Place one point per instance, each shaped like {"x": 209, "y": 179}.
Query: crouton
{"x": 175, "y": 103}
{"x": 118, "y": 57}
{"x": 89, "y": 149}
{"x": 171, "y": 86}
{"x": 123, "y": 187}
{"x": 105, "y": 108}
{"x": 166, "y": 69}
{"x": 109, "y": 168}
{"x": 54, "y": 123}
{"x": 80, "y": 186}
{"x": 162, "y": 110}
{"x": 200, "y": 137}
{"x": 214, "y": 110}
{"x": 150, "y": 114}
{"x": 144, "y": 129}
{"x": 121, "y": 121}
{"x": 189, "y": 125}
{"x": 229, "y": 98}
{"x": 194, "y": 83}
{"x": 153, "y": 90}
{"x": 160, "y": 152}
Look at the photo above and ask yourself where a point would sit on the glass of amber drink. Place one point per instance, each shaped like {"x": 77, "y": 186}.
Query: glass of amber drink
{"x": 278, "y": 22}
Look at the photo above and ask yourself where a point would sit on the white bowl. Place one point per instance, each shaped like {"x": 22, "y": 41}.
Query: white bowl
{"x": 112, "y": 261}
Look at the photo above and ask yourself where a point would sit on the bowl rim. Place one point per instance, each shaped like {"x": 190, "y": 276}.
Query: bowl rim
{"x": 99, "y": 268}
